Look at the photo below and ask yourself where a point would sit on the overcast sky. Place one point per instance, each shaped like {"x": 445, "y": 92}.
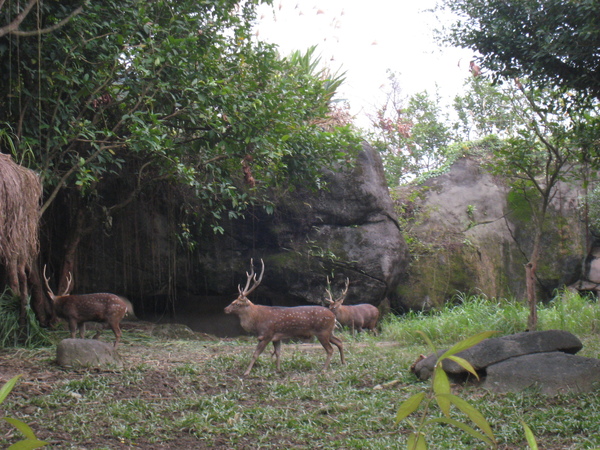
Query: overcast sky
{"x": 365, "y": 39}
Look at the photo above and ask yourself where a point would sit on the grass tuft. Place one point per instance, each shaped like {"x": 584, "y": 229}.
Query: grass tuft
{"x": 11, "y": 334}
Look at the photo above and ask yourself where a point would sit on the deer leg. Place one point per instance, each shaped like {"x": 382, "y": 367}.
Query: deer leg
{"x": 117, "y": 330}
{"x": 277, "y": 353}
{"x": 262, "y": 344}
{"x": 73, "y": 327}
{"x": 338, "y": 343}
{"x": 328, "y": 348}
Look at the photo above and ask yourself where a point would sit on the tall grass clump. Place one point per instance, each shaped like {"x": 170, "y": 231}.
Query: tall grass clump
{"x": 457, "y": 320}
{"x": 570, "y": 311}
{"x": 11, "y": 335}
{"x": 470, "y": 314}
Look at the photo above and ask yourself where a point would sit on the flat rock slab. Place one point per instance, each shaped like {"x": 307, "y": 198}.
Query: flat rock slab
{"x": 495, "y": 350}
{"x": 551, "y": 373}
{"x": 86, "y": 353}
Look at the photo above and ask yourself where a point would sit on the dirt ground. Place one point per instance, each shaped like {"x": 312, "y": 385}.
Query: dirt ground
{"x": 41, "y": 375}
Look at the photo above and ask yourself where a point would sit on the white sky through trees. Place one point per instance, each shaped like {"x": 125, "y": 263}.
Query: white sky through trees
{"x": 365, "y": 39}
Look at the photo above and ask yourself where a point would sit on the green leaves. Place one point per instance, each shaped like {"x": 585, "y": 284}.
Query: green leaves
{"x": 182, "y": 90}
{"x": 409, "y": 406}
{"x": 411, "y": 134}
{"x": 8, "y": 386}
{"x": 531, "y": 441}
{"x": 549, "y": 42}
{"x": 30, "y": 441}
{"x": 441, "y": 393}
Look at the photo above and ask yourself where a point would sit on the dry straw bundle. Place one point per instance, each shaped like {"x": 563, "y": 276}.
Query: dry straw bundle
{"x": 20, "y": 194}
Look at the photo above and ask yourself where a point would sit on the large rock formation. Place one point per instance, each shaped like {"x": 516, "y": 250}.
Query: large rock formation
{"x": 474, "y": 236}
{"x": 346, "y": 230}
{"x": 541, "y": 360}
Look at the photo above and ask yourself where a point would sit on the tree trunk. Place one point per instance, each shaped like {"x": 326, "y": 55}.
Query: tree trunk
{"x": 531, "y": 296}
{"x": 530, "y": 278}
{"x": 39, "y": 301}
{"x": 79, "y": 230}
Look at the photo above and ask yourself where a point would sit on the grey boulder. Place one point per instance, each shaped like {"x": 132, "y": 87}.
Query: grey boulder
{"x": 76, "y": 353}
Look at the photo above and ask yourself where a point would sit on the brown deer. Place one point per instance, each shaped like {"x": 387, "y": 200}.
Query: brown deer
{"x": 272, "y": 323}
{"x": 358, "y": 317}
{"x": 78, "y": 309}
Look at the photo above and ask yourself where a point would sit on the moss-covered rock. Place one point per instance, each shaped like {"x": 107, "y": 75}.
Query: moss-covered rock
{"x": 470, "y": 233}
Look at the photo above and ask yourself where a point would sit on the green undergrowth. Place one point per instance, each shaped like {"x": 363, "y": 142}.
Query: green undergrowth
{"x": 469, "y": 315}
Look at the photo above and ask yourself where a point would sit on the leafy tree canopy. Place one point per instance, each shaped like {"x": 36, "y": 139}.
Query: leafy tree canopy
{"x": 410, "y": 133}
{"x": 553, "y": 43}
{"x": 179, "y": 92}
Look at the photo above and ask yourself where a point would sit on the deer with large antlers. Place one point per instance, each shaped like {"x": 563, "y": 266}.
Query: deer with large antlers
{"x": 358, "y": 317}
{"x": 272, "y": 324}
{"x": 79, "y": 309}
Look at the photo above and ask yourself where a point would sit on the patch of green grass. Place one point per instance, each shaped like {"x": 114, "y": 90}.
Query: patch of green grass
{"x": 470, "y": 315}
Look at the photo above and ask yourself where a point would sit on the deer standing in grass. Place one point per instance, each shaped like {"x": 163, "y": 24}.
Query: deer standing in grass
{"x": 361, "y": 316}
{"x": 78, "y": 309}
{"x": 272, "y": 323}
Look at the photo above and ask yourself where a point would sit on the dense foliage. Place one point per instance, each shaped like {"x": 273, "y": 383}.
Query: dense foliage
{"x": 410, "y": 133}
{"x": 151, "y": 91}
{"x": 552, "y": 42}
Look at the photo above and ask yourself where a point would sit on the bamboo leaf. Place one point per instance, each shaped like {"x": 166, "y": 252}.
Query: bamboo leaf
{"x": 416, "y": 441}
{"x": 467, "y": 343}
{"x": 441, "y": 384}
{"x": 466, "y": 428}
{"x": 409, "y": 406}
{"x": 27, "y": 444}
{"x": 22, "y": 427}
{"x": 464, "y": 364}
{"x": 529, "y": 436}
{"x": 476, "y": 417}
{"x": 8, "y": 386}
{"x": 441, "y": 387}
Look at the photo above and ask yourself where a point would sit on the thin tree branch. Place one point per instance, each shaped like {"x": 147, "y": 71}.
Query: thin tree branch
{"x": 11, "y": 27}
{"x": 47, "y": 30}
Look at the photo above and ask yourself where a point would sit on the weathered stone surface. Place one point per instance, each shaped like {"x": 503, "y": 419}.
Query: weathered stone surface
{"x": 551, "y": 373}
{"x": 86, "y": 353}
{"x": 479, "y": 231}
{"x": 495, "y": 350}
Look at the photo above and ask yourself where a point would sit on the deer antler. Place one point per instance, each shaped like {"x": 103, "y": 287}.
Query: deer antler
{"x": 328, "y": 290}
{"x": 344, "y": 292}
{"x": 252, "y": 278}
{"x": 47, "y": 282}
{"x": 69, "y": 280}
{"x": 341, "y": 298}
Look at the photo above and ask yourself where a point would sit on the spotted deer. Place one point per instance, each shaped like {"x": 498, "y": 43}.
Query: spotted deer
{"x": 357, "y": 317}
{"x": 79, "y": 309}
{"x": 272, "y": 324}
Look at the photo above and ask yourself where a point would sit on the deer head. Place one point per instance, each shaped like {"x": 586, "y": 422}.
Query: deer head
{"x": 335, "y": 304}
{"x": 252, "y": 283}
